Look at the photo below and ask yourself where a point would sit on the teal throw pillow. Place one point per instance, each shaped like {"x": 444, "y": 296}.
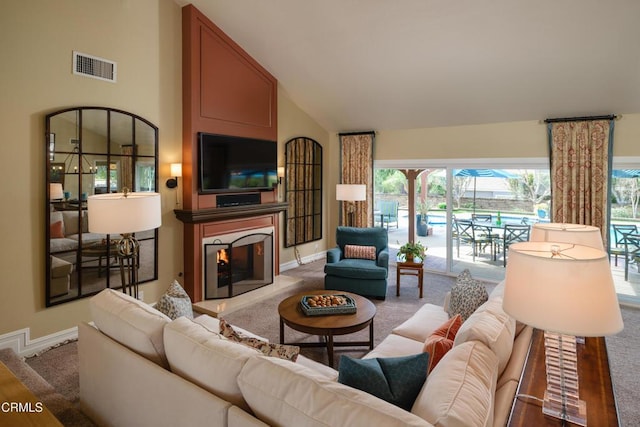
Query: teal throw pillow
{"x": 398, "y": 380}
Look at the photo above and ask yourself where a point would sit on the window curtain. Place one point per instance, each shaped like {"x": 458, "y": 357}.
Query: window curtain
{"x": 356, "y": 167}
{"x": 580, "y": 156}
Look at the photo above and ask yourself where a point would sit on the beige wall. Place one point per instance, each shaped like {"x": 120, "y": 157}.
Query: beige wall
{"x": 293, "y": 122}
{"x": 37, "y": 38}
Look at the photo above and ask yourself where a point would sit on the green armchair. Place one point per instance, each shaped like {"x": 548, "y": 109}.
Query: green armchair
{"x": 360, "y": 270}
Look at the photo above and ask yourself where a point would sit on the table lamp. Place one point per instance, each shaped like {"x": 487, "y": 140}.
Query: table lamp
{"x": 578, "y": 234}
{"x": 55, "y": 191}
{"x": 351, "y": 193}
{"x": 565, "y": 290}
{"x": 125, "y": 213}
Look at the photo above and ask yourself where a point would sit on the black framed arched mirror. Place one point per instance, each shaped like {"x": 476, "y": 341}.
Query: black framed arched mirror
{"x": 303, "y": 178}
{"x": 93, "y": 150}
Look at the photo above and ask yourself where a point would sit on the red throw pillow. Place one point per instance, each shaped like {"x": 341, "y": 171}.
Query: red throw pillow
{"x": 56, "y": 230}
{"x": 441, "y": 340}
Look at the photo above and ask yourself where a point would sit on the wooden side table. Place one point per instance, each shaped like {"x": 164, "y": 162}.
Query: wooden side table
{"x": 409, "y": 269}
{"x": 596, "y": 387}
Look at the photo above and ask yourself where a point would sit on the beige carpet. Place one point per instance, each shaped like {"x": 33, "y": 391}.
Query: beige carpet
{"x": 59, "y": 366}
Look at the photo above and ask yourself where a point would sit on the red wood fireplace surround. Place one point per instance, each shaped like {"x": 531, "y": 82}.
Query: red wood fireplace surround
{"x": 225, "y": 92}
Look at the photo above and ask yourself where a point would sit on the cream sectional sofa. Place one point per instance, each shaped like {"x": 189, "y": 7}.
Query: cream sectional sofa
{"x": 137, "y": 367}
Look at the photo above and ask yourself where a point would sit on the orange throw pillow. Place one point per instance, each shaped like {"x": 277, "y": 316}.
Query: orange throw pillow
{"x": 441, "y": 340}
{"x": 56, "y": 230}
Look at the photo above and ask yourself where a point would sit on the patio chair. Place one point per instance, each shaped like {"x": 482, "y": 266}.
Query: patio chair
{"x": 483, "y": 236}
{"x": 478, "y": 236}
{"x": 632, "y": 252}
{"x": 617, "y": 248}
{"x": 513, "y": 233}
{"x": 387, "y": 213}
{"x": 481, "y": 217}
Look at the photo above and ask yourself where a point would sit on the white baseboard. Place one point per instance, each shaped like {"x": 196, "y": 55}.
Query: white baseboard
{"x": 309, "y": 258}
{"x": 21, "y": 343}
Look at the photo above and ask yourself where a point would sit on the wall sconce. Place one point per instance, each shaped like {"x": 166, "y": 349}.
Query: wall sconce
{"x": 280, "y": 174}
{"x": 176, "y": 172}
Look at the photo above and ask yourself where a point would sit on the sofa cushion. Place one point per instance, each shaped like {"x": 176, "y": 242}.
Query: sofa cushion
{"x": 206, "y": 358}
{"x": 213, "y": 324}
{"x": 491, "y": 326}
{"x": 361, "y": 252}
{"x": 356, "y": 269}
{"x": 422, "y": 324}
{"x": 460, "y": 389}
{"x": 397, "y": 380}
{"x": 282, "y": 393}
{"x": 289, "y": 352}
{"x": 394, "y": 346}
{"x": 466, "y": 295}
{"x": 441, "y": 340}
{"x": 175, "y": 302}
{"x": 130, "y": 322}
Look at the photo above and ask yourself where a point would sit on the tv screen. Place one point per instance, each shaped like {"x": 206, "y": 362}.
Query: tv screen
{"x": 229, "y": 163}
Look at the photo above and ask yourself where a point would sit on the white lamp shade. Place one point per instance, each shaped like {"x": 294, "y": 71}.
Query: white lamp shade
{"x": 176, "y": 169}
{"x": 351, "y": 192}
{"x": 570, "y": 293}
{"x": 55, "y": 191}
{"x": 578, "y": 234}
{"x": 280, "y": 171}
{"x": 116, "y": 214}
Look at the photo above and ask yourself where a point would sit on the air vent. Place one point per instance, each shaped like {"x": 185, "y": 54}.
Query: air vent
{"x": 92, "y": 66}
{"x": 74, "y": 141}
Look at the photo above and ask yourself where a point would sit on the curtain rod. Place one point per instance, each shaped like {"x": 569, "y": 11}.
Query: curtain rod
{"x": 581, "y": 119}
{"x": 371, "y": 132}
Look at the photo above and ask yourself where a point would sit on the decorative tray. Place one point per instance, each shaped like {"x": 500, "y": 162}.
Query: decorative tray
{"x": 318, "y": 305}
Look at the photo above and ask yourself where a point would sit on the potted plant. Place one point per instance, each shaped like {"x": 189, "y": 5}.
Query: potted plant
{"x": 412, "y": 250}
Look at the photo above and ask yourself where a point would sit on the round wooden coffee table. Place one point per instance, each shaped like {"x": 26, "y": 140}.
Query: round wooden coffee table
{"x": 329, "y": 325}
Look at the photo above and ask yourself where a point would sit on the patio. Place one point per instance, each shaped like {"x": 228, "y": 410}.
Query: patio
{"x": 484, "y": 266}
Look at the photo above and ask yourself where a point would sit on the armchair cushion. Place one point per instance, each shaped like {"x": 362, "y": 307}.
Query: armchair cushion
{"x": 356, "y": 269}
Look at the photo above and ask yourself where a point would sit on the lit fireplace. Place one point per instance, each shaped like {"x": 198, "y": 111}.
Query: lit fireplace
{"x": 238, "y": 263}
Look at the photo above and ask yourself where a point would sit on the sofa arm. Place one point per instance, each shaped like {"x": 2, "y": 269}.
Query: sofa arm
{"x": 333, "y": 255}
{"x": 383, "y": 259}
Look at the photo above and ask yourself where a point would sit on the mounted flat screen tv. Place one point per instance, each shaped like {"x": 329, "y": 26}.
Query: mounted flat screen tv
{"x": 229, "y": 163}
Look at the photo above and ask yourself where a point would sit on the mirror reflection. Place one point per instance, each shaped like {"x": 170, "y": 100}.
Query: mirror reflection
{"x": 92, "y": 150}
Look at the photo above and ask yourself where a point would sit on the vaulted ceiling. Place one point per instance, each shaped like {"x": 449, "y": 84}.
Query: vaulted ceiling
{"x": 381, "y": 64}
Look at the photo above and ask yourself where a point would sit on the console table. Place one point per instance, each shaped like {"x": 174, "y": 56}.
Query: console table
{"x": 32, "y": 412}
{"x": 596, "y": 387}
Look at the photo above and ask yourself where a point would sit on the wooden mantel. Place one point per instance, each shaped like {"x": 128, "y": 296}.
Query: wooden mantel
{"x": 218, "y": 214}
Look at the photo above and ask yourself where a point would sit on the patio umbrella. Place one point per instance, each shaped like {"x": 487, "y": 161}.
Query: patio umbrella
{"x": 482, "y": 173}
{"x": 626, "y": 173}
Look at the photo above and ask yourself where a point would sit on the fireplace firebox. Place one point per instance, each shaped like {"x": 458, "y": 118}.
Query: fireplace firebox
{"x": 234, "y": 266}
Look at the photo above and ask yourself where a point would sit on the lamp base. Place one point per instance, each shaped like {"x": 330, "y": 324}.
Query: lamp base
{"x": 128, "y": 250}
{"x": 562, "y": 399}
{"x": 575, "y": 410}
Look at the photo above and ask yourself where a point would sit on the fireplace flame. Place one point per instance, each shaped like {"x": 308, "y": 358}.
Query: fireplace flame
{"x": 260, "y": 248}
{"x": 222, "y": 256}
